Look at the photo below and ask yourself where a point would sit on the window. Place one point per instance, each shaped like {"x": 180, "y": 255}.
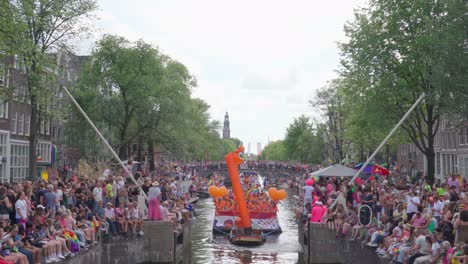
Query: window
{"x": 3, "y": 153}
{"x": 27, "y": 125}
{"x": 15, "y": 62}
{"x": 43, "y": 150}
{"x": 21, "y": 93}
{"x": 463, "y": 166}
{"x": 21, "y": 124}
{"x": 461, "y": 136}
{"x": 14, "y": 124}
{"x": 47, "y": 127}
{"x": 449, "y": 141}
{"x": 437, "y": 161}
{"x": 4, "y": 109}
{"x": 2, "y": 72}
{"x": 54, "y": 129}
{"x": 466, "y": 135}
{"x": 454, "y": 140}
{"x": 19, "y": 162}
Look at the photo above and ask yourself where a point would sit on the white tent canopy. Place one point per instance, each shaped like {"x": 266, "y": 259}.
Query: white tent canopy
{"x": 335, "y": 170}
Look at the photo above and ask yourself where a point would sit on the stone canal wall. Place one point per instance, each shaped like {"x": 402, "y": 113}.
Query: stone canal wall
{"x": 321, "y": 246}
{"x": 159, "y": 245}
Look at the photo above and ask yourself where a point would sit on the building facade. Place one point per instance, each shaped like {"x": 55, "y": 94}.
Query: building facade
{"x": 15, "y": 117}
{"x": 451, "y": 151}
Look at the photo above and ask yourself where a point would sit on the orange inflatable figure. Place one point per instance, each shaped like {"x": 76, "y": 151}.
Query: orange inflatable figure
{"x": 233, "y": 161}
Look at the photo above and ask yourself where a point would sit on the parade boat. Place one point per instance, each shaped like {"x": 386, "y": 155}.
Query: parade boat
{"x": 246, "y": 215}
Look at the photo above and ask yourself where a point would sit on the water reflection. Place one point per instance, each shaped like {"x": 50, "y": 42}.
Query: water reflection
{"x": 207, "y": 248}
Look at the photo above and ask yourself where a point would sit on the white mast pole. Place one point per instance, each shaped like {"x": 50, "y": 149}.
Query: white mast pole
{"x": 384, "y": 142}
{"x": 129, "y": 174}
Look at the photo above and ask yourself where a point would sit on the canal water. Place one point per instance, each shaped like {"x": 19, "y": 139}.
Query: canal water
{"x": 281, "y": 248}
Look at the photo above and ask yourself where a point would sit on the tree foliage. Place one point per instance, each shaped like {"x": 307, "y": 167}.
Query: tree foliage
{"x": 398, "y": 50}
{"x": 32, "y": 29}
{"x": 302, "y": 142}
{"x": 275, "y": 151}
{"x": 140, "y": 96}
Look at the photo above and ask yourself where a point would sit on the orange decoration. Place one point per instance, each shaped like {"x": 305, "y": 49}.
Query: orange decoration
{"x": 233, "y": 161}
{"x": 277, "y": 195}
{"x": 223, "y": 191}
{"x": 213, "y": 190}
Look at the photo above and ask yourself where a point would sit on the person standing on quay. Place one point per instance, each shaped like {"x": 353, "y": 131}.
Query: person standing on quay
{"x": 154, "y": 210}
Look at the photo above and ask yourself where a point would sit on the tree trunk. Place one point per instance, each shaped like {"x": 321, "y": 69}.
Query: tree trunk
{"x": 140, "y": 149}
{"x": 33, "y": 138}
{"x": 123, "y": 151}
{"x": 151, "y": 155}
{"x": 430, "y": 166}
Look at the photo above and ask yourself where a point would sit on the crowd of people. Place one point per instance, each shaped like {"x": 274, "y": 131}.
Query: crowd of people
{"x": 419, "y": 224}
{"x": 48, "y": 221}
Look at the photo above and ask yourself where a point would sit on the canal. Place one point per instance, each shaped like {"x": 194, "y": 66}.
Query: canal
{"x": 207, "y": 248}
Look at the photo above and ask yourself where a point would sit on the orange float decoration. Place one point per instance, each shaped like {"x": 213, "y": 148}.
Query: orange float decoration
{"x": 223, "y": 191}
{"x": 233, "y": 161}
{"x": 213, "y": 190}
{"x": 272, "y": 191}
{"x": 282, "y": 194}
{"x": 277, "y": 195}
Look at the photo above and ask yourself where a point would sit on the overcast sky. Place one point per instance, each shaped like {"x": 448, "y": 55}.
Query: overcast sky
{"x": 261, "y": 61}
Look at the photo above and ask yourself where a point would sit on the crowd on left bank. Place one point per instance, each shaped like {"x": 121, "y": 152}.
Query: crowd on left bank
{"x": 49, "y": 221}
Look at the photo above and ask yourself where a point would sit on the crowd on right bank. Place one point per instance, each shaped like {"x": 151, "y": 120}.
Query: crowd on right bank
{"x": 419, "y": 223}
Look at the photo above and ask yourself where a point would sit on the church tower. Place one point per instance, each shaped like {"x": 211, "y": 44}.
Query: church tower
{"x": 226, "y": 130}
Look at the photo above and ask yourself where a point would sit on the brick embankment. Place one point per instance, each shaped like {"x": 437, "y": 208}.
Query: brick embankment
{"x": 158, "y": 245}
{"x": 326, "y": 248}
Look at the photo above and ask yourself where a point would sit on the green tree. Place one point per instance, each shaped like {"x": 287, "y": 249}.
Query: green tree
{"x": 302, "y": 143}
{"x": 32, "y": 29}
{"x": 127, "y": 76}
{"x": 398, "y": 50}
{"x": 275, "y": 151}
{"x": 330, "y": 102}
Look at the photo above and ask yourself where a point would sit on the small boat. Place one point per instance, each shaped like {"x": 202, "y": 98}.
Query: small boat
{"x": 242, "y": 238}
{"x": 203, "y": 192}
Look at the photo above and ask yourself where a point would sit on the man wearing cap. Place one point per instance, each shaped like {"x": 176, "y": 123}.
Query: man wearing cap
{"x": 308, "y": 189}
{"x": 111, "y": 219}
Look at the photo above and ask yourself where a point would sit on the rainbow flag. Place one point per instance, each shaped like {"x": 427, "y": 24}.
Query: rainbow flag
{"x": 74, "y": 242}
{"x": 95, "y": 224}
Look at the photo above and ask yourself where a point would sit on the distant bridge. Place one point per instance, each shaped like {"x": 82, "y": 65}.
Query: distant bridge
{"x": 266, "y": 172}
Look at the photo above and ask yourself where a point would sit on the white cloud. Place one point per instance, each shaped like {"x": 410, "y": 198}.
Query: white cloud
{"x": 260, "y": 60}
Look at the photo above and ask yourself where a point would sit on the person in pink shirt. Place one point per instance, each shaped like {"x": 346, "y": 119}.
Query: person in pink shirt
{"x": 324, "y": 212}
{"x": 330, "y": 187}
{"x": 418, "y": 220}
{"x": 316, "y": 213}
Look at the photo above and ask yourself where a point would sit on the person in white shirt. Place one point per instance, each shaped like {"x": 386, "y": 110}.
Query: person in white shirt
{"x": 21, "y": 211}
{"x": 111, "y": 219}
{"x": 413, "y": 203}
{"x": 438, "y": 208}
{"x": 97, "y": 192}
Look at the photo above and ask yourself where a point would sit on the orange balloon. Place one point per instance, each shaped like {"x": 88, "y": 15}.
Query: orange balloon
{"x": 223, "y": 191}
{"x": 282, "y": 194}
{"x": 271, "y": 192}
{"x": 213, "y": 190}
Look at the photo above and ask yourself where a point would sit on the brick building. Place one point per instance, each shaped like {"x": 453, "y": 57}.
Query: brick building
{"x": 451, "y": 150}
{"x": 15, "y": 115}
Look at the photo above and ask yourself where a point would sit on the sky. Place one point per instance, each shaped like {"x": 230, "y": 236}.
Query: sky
{"x": 261, "y": 61}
